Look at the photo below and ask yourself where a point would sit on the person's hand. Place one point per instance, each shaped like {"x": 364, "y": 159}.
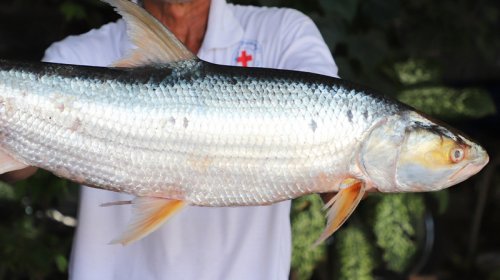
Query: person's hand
{"x": 18, "y": 175}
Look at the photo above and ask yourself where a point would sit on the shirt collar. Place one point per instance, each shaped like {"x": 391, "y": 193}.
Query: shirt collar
{"x": 223, "y": 29}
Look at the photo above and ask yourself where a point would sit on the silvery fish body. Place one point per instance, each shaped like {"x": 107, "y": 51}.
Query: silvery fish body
{"x": 173, "y": 130}
{"x": 203, "y": 133}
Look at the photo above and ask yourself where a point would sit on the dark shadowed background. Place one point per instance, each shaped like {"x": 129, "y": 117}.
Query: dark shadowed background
{"x": 442, "y": 57}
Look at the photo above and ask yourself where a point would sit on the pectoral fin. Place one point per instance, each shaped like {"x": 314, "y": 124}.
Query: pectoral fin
{"x": 148, "y": 214}
{"x": 341, "y": 206}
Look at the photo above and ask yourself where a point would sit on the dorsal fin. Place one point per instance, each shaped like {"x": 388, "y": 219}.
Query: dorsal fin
{"x": 155, "y": 43}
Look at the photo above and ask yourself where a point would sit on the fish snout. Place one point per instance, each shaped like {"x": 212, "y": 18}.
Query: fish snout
{"x": 479, "y": 158}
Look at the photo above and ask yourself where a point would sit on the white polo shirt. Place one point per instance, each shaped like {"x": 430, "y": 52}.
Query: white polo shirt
{"x": 197, "y": 243}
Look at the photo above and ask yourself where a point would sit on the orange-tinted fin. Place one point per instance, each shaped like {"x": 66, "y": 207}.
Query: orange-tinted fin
{"x": 148, "y": 214}
{"x": 341, "y": 206}
{"x": 7, "y": 163}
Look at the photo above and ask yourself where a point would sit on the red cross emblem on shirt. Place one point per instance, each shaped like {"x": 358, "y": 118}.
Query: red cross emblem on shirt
{"x": 244, "y": 58}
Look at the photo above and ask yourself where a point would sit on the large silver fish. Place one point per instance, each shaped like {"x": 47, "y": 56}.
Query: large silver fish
{"x": 172, "y": 130}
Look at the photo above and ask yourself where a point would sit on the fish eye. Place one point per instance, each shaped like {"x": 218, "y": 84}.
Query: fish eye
{"x": 457, "y": 155}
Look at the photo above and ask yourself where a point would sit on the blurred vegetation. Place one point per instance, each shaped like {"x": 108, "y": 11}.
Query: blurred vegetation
{"x": 441, "y": 57}
{"x": 355, "y": 254}
{"x": 396, "y": 221}
{"x": 308, "y": 221}
{"x": 34, "y": 234}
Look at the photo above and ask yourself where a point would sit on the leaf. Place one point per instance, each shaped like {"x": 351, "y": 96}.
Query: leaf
{"x": 355, "y": 253}
{"x": 395, "y": 218}
{"x": 414, "y": 71}
{"x": 61, "y": 262}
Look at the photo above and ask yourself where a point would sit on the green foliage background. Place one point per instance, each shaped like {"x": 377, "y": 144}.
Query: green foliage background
{"x": 441, "y": 57}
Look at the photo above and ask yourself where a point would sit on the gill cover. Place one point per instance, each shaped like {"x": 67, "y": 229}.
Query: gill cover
{"x": 380, "y": 151}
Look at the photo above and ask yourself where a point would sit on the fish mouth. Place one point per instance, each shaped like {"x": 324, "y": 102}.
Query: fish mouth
{"x": 469, "y": 169}
{"x": 453, "y": 178}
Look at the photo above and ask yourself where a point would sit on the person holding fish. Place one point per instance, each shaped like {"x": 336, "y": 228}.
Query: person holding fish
{"x": 198, "y": 243}
{"x": 168, "y": 131}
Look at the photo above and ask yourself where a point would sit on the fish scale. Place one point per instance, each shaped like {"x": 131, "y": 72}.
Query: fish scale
{"x": 247, "y": 135}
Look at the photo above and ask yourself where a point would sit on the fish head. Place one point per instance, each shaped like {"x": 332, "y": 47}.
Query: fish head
{"x": 411, "y": 153}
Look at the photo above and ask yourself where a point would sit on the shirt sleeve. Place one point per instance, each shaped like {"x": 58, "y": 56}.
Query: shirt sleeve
{"x": 98, "y": 47}
{"x": 303, "y": 47}
{"x": 62, "y": 52}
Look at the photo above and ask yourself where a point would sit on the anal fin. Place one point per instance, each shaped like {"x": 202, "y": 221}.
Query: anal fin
{"x": 148, "y": 214}
{"x": 341, "y": 206}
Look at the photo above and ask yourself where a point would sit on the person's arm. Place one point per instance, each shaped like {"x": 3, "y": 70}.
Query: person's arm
{"x": 17, "y": 175}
